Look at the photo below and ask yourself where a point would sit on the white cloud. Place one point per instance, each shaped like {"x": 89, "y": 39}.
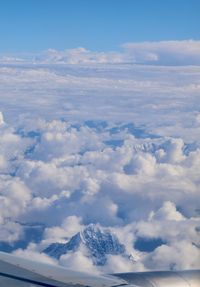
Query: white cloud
{"x": 10, "y": 231}
{"x": 32, "y": 253}
{"x": 1, "y": 118}
{"x": 15, "y": 198}
{"x": 181, "y": 256}
{"x": 167, "y": 212}
{"x": 69, "y": 227}
{"x": 79, "y": 56}
{"x": 79, "y": 261}
{"x": 118, "y": 263}
{"x": 164, "y": 53}
{"x": 135, "y": 189}
{"x": 133, "y": 168}
{"x": 173, "y": 53}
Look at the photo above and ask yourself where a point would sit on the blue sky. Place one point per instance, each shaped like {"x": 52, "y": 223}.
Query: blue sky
{"x": 36, "y": 25}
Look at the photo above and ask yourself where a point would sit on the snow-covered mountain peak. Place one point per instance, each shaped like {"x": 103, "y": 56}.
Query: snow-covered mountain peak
{"x": 99, "y": 243}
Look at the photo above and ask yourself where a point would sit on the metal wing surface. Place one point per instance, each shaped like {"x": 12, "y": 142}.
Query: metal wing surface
{"x": 19, "y": 272}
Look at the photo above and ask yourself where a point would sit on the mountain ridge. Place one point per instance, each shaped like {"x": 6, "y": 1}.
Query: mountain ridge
{"x": 99, "y": 243}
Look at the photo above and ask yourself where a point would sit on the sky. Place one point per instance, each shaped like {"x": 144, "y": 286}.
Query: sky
{"x": 34, "y": 25}
{"x": 100, "y": 123}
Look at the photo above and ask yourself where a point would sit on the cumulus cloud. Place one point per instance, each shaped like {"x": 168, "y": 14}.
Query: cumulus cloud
{"x": 1, "y": 118}
{"x": 15, "y": 197}
{"x": 70, "y": 226}
{"x": 168, "y": 212}
{"x": 79, "y": 56}
{"x": 79, "y": 261}
{"x": 115, "y": 145}
{"x": 164, "y": 52}
{"x": 118, "y": 263}
{"x": 31, "y": 253}
{"x": 10, "y": 231}
{"x": 181, "y": 256}
{"x": 67, "y": 176}
{"x": 154, "y": 53}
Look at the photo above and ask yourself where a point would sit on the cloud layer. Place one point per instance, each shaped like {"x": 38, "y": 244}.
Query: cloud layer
{"x": 65, "y": 176}
{"x": 164, "y": 100}
{"x": 166, "y": 53}
{"x": 112, "y": 144}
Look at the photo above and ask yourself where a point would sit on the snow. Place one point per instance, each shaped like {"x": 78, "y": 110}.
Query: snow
{"x": 97, "y": 242}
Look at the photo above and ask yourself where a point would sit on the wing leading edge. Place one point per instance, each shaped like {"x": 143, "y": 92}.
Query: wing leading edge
{"x": 19, "y": 272}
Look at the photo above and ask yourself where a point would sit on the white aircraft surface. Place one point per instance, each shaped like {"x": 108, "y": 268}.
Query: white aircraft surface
{"x": 19, "y": 272}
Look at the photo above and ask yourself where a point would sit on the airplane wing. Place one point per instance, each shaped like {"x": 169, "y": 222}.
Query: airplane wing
{"x": 19, "y": 272}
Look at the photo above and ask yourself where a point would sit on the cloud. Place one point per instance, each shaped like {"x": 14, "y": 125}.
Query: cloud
{"x": 172, "y": 53}
{"x": 15, "y": 198}
{"x": 118, "y": 263}
{"x": 168, "y": 212}
{"x": 134, "y": 189}
{"x": 136, "y": 94}
{"x": 1, "y": 118}
{"x": 10, "y": 231}
{"x": 115, "y": 145}
{"x": 31, "y": 253}
{"x": 79, "y": 261}
{"x": 164, "y": 53}
{"x": 70, "y": 226}
{"x": 181, "y": 256}
{"x": 79, "y": 56}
